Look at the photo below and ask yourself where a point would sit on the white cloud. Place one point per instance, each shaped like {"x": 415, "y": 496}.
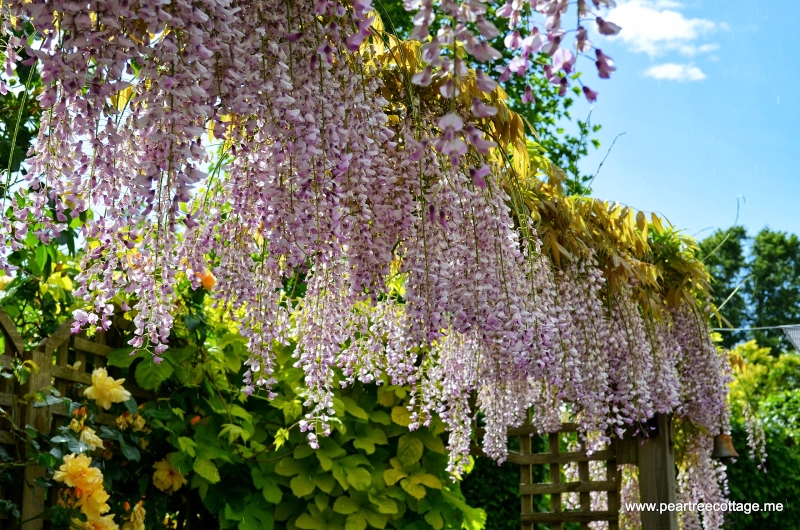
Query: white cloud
{"x": 675, "y": 72}
{"x": 654, "y": 27}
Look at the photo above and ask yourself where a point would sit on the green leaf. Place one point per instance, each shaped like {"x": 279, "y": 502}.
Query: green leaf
{"x": 383, "y": 503}
{"x": 150, "y": 375}
{"x": 434, "y": 518}
{"x": 352, "y": 408}
{"x": 474, "y": 518}
{"x": 376, "y": 519}
{"x": 356, "y": 521}
{"x": 206, "y": 469}
{"x": 415, "y": 490}
{"x": 122, "y": 357}
{"x": 367, "y": 442}
{"x": 233, "y": 432}
{"x": 41, "y": 256}
{"x": 345, "y": 505}
{"x": 321, "y": 501}
{"x": 325, "y": 482}
{"x": 359, "y": 478}
{"x": 391, "y": 476}
{"x": 187, "y": 445}
{"x": 409, "y": 449}
{"x": 302, "y": 485}
{"x": 378, "y": 416}
{"x": 130, "y": 405}
{"x": 272, "y": 493}
{"x": 256, "y": 516}
{"x": 288, "y": 467}
{"x": 308, "y": 522}
{"x": 426, "y": 479}
{"x": 129, "y": 451}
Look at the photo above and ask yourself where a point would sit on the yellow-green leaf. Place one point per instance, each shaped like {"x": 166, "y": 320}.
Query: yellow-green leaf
{"x": 409, "y": 449}
{"x": 401, "y": 416}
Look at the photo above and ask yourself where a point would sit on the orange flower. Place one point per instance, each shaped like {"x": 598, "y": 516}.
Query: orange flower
{"x": 208, "y": 280}
{"x": 195, "y": 420}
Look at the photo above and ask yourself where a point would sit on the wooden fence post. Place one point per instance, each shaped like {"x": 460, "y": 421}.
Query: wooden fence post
{"x": 40, "y": 418}
{"x": 657, "y": 475}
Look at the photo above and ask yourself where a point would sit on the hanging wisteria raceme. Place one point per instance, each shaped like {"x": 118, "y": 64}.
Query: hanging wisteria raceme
{"x": 704, "y": 373}
{"x": 701, "y": 479}
{"x": 584, "y": 330}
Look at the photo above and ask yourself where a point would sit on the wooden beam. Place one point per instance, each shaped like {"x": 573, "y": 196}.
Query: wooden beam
{"x": 657, "y": 475}
{"x": 568, "y": 487}
{"x": 570, "y": 517}
{"x": 10, "y": 332}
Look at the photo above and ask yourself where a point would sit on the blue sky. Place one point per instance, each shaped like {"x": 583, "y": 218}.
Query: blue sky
{"x": 708, "y": 96}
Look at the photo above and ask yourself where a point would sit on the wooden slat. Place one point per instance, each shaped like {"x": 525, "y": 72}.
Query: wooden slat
{"x": 101, "y": 417}
{"x": 7, "y": 361}
{"x": 6, "y": 438}
{"x": 612, "y": 475}
{"x": 525, "y": 479}
{"x": 530, "y": 429}
{"x": 557, "y": 488}
{"x": 87, "y": 346}
{"x": 55, "y": 340}
{"x": 553, "y": 442}
{"x": 10, "y": 331}
{"x": 585, "y": 496}
{"x": 62, "y": 372}
{"x": 561, "y": 458}
{"x": 570, "y": 517}
{"x": 6, "y": 399}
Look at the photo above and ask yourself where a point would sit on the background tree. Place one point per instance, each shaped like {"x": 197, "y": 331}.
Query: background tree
{"x": 774, "y": 286}
{"x": 724, "y": 256}
{"x": 766, "y": 272}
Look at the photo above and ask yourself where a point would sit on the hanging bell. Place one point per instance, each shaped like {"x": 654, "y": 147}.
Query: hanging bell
{"x": 723, "y": 447}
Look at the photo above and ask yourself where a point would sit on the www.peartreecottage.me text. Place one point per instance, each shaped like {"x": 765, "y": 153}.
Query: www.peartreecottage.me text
{"x": 731, "y": 506}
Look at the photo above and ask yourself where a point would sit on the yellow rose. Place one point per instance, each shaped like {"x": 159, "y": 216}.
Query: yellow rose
{"x": 75, "y": 425}
{"x": 102, "y": 523}
{"x": 106, "y": 390}
{"x": 138, "y": 423}
{"x": 76, "y": 473}
{"x": 90, "y": 438}
{"x": 124, "y": 421}
{"x": 166, "y": 477}
{"x": 136, "y": 520}
{"x": 94, "y": 504}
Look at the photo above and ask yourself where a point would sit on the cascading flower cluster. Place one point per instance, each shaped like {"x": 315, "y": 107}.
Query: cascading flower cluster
{"x": 370, "y": 223}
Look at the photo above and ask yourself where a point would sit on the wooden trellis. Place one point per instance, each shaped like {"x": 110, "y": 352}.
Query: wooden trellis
{"x": 554, "y": 459}
{"x": 64, "y": 361}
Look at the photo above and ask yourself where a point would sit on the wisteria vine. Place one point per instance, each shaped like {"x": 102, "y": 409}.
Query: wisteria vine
{"x": 291, "y": 142}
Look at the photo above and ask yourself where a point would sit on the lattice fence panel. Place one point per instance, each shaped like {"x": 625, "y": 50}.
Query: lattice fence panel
{"x": 65, "y": 362}
{"x": 556, "y": 457}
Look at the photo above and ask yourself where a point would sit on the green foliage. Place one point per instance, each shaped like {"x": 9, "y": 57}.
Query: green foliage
{"x": 246, "y": 461}
{"x": 778, "y": 484}
{"x": 769, "y": 384}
